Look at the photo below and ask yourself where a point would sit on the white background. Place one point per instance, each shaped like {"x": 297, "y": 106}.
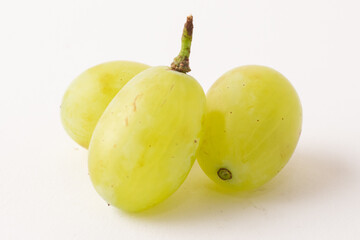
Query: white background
{"x": 45, "y": 191}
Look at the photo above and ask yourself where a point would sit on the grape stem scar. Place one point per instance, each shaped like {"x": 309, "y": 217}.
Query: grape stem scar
{"x": 224, "y": 174}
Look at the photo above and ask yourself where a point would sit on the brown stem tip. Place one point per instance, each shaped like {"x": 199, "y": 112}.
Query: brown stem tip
{"x": 189, "y": 25}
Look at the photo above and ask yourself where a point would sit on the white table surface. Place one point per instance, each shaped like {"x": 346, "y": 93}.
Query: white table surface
{"x": 45, "y": 191}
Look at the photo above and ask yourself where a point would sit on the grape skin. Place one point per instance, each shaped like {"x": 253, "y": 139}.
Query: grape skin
{"x": 252, "y": 127}
{"x": 89, "y": 94}
{"x": 145, "y": 142}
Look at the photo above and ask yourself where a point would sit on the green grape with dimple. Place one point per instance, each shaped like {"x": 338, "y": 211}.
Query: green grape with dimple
{"x": 145, "y": 142}
{"x": 252, "y": 126}
{"x": 89, "y": 94}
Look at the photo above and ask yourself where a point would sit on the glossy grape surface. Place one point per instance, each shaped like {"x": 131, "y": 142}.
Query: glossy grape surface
{"x": 145, "y": 142}
{"x": 89, "y": 94}
{"x": 252, "y": 126}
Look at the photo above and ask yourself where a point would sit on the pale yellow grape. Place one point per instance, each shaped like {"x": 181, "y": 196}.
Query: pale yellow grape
{"x": 252, "y": 127}
{"x": 89, "y": 94}
{"x": 145, "y": 142}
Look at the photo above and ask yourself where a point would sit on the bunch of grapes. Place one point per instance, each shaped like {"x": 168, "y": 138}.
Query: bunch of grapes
{"x": 145, "y": 126}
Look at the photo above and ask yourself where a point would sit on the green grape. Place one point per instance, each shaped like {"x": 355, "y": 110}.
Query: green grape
{"x": 144, "y": 144}
{"x": 89, "y": 94}
{"x": 252, "y": 126}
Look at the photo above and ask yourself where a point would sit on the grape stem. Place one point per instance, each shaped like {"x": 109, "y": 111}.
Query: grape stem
{"x": 181, "y": 62}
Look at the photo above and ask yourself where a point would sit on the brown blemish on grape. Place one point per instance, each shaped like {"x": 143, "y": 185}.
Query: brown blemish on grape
{"x": 126, "y": 121}
{"x": 108, "y": 204}
{"x": 195, "y": 141}
{"x": 282, "y": 118}
{"x": 114, "y": 146}
{"x": 257, "y": 120}
{"x": 134, "y": 103}
{"x": 230, "y": 112}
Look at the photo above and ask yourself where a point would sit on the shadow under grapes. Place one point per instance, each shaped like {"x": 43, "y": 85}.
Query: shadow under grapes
{"x": 309, "y": 173}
